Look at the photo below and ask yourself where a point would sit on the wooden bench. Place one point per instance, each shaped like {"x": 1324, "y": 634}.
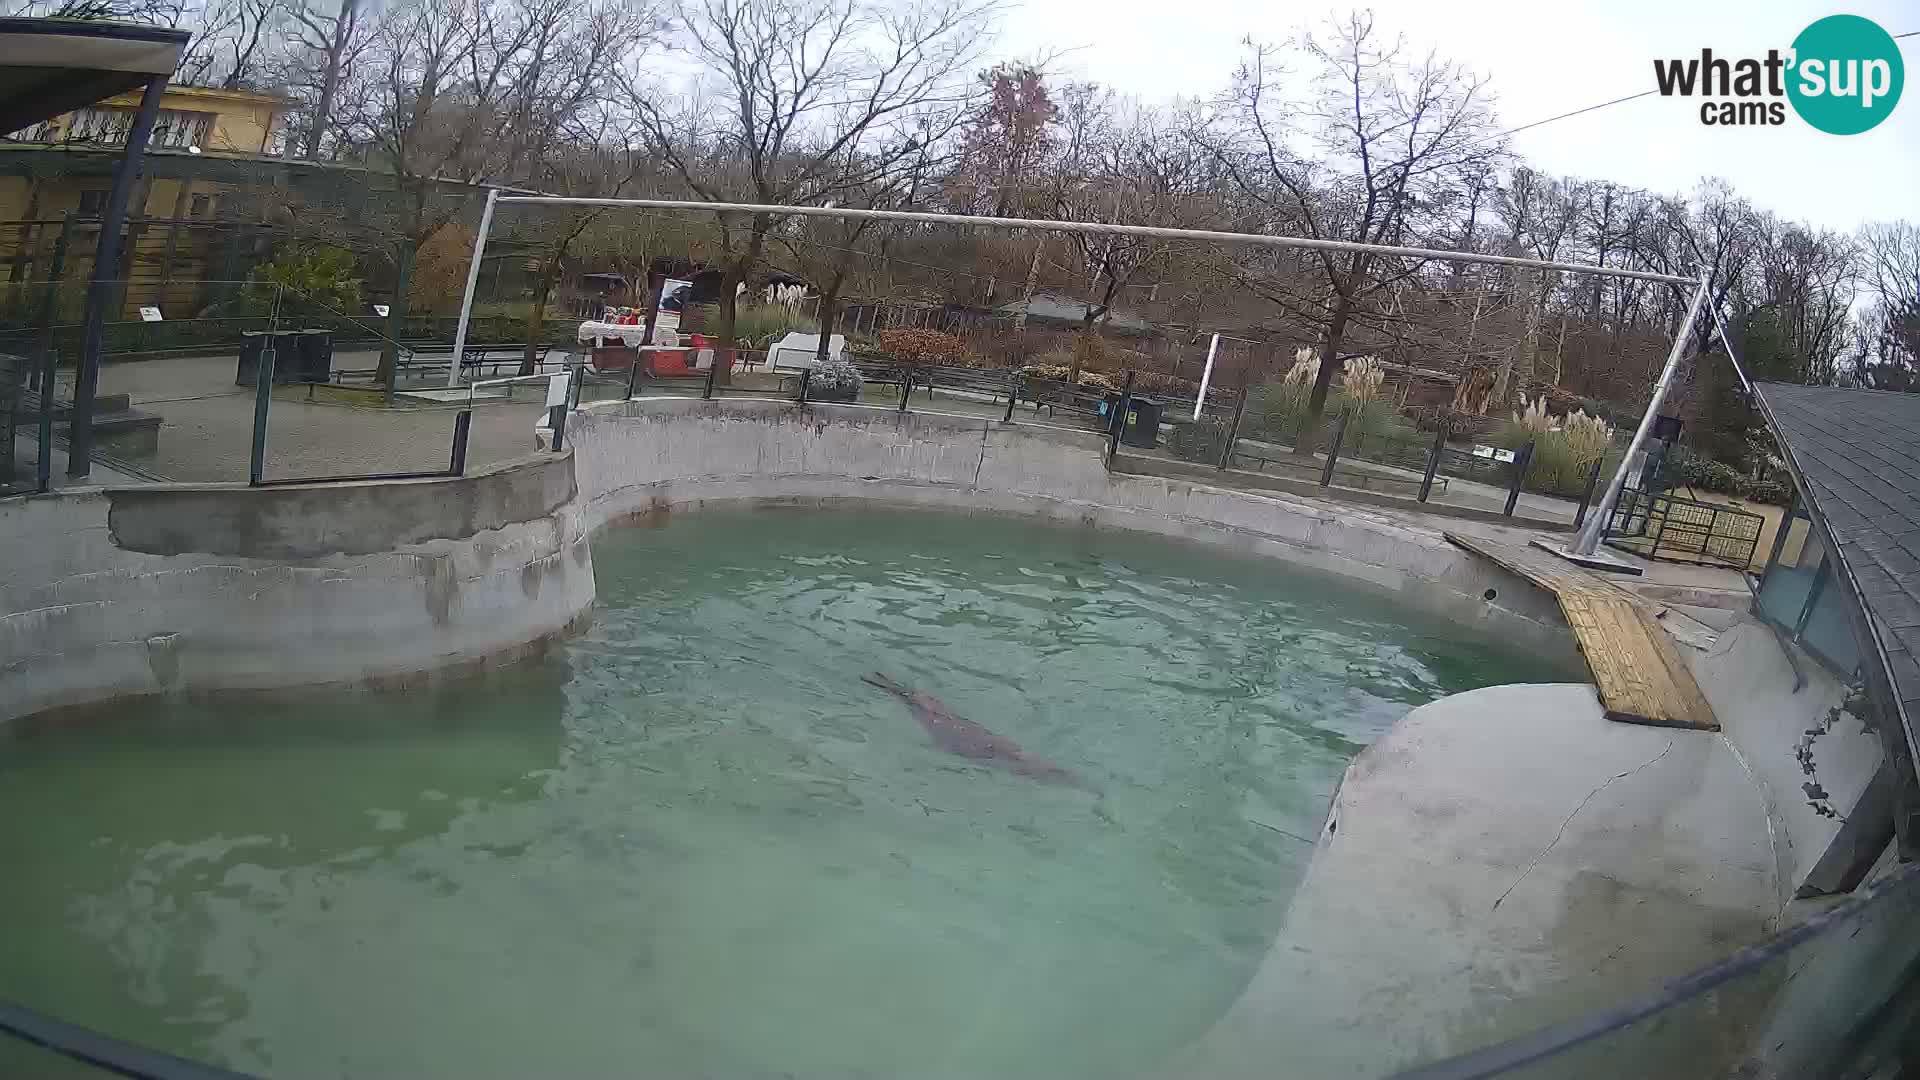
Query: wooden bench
{"x": 428, "y": 358}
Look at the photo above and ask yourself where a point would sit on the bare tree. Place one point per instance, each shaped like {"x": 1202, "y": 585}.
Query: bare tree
{"x": 156, "y": 12}
{"x": 469, "y": 93}
{"x": 1889, "y": 334}
{"x": 233, "y": 41}
{"x": 324, "y": 48}
{"x": 1398, "y": 140}
{"x": 810, "y": 99}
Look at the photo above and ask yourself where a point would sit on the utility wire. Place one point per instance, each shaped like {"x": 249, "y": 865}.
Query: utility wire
{"x": 1576, "y": 112}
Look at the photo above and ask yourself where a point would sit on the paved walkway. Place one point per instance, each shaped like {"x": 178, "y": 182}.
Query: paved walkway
{"x": 206, "y": 428}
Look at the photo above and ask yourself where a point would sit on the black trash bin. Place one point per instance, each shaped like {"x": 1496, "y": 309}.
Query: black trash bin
{"x": 286, "y": 356}
{"x": 315, "y": 357}
{"x": 1143, "y": 422}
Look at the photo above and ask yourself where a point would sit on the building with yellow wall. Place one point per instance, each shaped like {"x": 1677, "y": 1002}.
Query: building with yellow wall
{"x": 207, "y": 145}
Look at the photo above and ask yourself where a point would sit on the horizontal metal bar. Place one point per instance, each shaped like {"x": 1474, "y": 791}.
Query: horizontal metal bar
{"x": 1544, "y": 1042}
{"x": 1098, "y": 229}
{"x": 286, "y": 480}
{"x": 102, "y": 1051}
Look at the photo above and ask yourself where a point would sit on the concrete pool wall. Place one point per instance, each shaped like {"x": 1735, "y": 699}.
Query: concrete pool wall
{"x": 118, "y": 592}
{"x": 653, "y": 455}
{"x": 159, "y": 588}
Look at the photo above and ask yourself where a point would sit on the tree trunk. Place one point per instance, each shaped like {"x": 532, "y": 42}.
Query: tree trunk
{"x": 536, "y": 319}
{"x": 396, "y": 312}
{"x": 828, "y": 314}
{"x": 1308, "y": 439}
{"x": 330, "y": 79}
{"x": 736, "y": 273}
{"x": 1085, "y": 344}
{"x": 1026, "y": 291}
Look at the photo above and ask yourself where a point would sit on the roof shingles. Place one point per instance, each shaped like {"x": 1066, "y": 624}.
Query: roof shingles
{"x": 1858, "y": 452}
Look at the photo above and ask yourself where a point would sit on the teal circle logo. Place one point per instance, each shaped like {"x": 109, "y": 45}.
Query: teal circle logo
{"x": 1847, "y": 74}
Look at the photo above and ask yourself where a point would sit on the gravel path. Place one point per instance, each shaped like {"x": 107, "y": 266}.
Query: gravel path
{"x": 206, "y": 428}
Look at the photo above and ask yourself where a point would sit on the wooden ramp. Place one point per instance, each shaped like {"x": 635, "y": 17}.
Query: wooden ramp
{"x": 1641, "y": 678}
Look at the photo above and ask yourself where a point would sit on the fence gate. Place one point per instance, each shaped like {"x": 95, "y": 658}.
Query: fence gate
{"x": 1673, "y": 529}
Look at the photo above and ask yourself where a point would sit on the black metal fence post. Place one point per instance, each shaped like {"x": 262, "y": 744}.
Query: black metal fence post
{"x": 1013, "y": 395}
{"x": 906, "y": 388}
{"x": 1333, "y": 449}
{"x": 1433, "y": 459}
{"x": 262, "y": 404}
{"x": 713, "y": 372}
{"x": 1520, "y": 462}
{"x": 633, "y": 372}
{"x": 1118, "y": 421}
{"x": 1233, "y": 429}
{"x": 457, "y": 466}
{"x": 806, "y": 377}
{"x": 1586, "y": 493}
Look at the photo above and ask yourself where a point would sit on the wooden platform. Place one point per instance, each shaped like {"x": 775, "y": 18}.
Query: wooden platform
{"x": 1641, "y": 676}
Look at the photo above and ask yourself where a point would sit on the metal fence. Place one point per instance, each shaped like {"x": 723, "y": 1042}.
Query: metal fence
{"x": 1674, "y": 529}
{"x": 1836, "y": 993}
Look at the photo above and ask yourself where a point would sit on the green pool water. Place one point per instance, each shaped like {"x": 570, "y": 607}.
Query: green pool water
{"x": 694, "y": 843}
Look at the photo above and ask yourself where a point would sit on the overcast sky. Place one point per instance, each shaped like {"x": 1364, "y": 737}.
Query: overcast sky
{"x": 1546, "y": 57}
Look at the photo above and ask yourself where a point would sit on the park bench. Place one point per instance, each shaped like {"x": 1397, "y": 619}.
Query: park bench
{"x": 422, "y": 359}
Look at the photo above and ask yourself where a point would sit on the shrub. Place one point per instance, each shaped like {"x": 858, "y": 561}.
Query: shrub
{"x": 760, "y": 324}
{"x": 1059, "y": 373}
{"x": 1275, "y": 410}
{"x": 311, "y": 276}
{"x": 1588, "y": 436}
{"x": 1362, "y": 379}
{"x": 1533, "y": 419}
{"x": 911, "y": 345}
{"x": 837, "y": 377}
{"x": 1201, "y": 440}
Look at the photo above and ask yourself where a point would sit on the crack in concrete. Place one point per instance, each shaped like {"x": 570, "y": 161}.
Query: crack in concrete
{"x": 1569, "y": 820}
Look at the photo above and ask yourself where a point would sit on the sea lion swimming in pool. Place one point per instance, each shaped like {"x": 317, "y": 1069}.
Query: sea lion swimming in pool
{"x": 958, "y": 735}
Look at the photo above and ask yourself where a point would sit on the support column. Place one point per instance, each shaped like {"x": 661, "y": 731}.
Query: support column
{"x": 106, "y": 260}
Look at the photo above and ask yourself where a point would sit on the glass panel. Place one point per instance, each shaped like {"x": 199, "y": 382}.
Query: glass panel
{"x": 1829, "y": 629}
{"x": 1838, "y": 1003}
{"x": 1783, "y": 594}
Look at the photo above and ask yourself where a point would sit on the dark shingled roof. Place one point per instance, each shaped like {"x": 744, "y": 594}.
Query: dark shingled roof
{"x": 1857, "y": 453}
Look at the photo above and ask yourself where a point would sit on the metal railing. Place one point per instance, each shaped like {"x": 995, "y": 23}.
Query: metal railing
{"x": 1865, "y": 945}
{"x": 1673, "y": 529}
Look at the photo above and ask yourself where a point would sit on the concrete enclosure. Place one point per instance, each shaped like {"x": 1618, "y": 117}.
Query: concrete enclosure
{"x": 164, "y": 588}
{"x": 659, "y": 454}
{"x": 1503, "y": 853}
{"x": 182, "y": 587}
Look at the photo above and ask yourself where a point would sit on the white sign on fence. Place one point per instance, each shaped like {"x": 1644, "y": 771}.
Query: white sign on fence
{"x": 1493, "y": 452}
{"x": 150, "y": 314}
{"x": 381, "y": 310}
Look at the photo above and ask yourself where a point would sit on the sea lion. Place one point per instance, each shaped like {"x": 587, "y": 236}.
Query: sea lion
{"x": 961, "y": 736}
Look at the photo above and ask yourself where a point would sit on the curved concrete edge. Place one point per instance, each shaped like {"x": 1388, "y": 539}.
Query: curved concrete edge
{"x": 246, "y": 599}
{"x": 651, "y": 455}
{"x": 1811, "y": 759}
{"x": 1500, "y": 860}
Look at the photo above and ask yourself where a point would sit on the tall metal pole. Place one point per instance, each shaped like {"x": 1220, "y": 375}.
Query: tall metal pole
{"x": 1206, "y": 376}
{"x": 106, "y": 263}
{"x": 1095, "y": 228}
{"x": 473, "y": 281}
{"x": 1589, "y": 537}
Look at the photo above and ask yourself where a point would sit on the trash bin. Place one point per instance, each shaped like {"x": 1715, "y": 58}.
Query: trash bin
{"x": 315, "y": 358}
{"x": 286, "y": 356}
{"x": 1143, "y": 422}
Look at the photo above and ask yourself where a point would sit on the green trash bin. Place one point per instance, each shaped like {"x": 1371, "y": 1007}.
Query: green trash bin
{"x": 1142, "y": 427}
